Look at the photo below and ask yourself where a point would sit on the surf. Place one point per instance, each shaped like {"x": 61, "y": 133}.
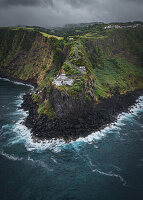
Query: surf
{"x": 24, "y": 135}
{"x": 57, "y": 145}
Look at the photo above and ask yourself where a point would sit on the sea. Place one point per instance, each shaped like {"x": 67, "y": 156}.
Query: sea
{"x": 106, "y": 165}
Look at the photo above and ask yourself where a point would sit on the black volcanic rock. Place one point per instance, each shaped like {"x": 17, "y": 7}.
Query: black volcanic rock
{"x": 91, "y": 119}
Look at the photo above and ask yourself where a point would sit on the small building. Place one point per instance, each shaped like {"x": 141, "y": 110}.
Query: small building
{"x": 113, "y": 26}
{"x": 117, "y": 26}
{"x": 135, "y": 25}
{"x": 108, "y": 27}
{"x": 63, "y": 80}
{"x": 82, "y": 68}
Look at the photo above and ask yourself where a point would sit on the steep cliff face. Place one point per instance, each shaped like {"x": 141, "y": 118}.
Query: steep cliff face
{"x": 70, "y": 106}
{"x": 28, "y": 55}
{"x": 121, "y": 43}
{"x": 100, "y": 67}
{"x": 116, "y": 61}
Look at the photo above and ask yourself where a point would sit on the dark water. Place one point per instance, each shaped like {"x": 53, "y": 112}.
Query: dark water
{"x": 108, "y": 165}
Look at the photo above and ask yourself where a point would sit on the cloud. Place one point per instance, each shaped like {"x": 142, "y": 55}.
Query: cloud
{"x": 60, "y": 12}
{"x": 81, "y": 3}
{"x": 134, "y": 1}
{"x": 8, "y": 3}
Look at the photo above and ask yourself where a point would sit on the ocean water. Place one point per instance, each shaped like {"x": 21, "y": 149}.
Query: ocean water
{"x": 106, "y": 165}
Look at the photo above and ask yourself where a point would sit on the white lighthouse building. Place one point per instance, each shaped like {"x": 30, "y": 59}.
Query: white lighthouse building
{"x": 63, "y": 80}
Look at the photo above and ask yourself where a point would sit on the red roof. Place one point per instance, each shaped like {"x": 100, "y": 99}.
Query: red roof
{"x": 63, "y": 71}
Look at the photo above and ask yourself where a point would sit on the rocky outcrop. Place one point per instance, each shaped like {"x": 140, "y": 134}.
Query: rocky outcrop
{"x": 65, "y": 105}
{"x": 93, "y": 100}
{"x": 78, "y": 123}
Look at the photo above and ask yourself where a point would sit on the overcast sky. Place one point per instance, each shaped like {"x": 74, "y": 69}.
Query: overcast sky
{"x": 60, "y": 12}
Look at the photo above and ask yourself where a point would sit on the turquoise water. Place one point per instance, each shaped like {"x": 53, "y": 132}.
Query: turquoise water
{"x": 105, "y": 165}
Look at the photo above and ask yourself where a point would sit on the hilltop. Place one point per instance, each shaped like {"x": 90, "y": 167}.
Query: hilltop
{"x": 104, "y": 65}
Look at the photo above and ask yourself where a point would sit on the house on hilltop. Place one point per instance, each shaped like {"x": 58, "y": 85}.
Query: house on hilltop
{"x": 70, "y": 39}
{"x": 82, "y": 68}
{"x": 63, "y": 80}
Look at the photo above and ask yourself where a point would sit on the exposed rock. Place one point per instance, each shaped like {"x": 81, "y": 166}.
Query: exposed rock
{"x": 78, "y": 123}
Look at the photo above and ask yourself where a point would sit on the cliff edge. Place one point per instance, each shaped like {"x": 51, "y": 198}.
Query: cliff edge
{"x": 82, "y": 82}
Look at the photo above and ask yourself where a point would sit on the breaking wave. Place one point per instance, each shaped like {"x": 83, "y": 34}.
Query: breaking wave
{"x": 24, "y": 134}
{"x": 17, "y": 83}
{"x": 10, "y": 157}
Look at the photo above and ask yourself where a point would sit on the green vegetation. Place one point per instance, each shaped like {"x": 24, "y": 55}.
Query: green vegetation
{"x": 49, "y": 36}
{"x": 12, "y": 42}
{"x": 113, "y": 60}
{"x": 77, "y": 87}
{"x": 25, "y": 72}
{"x": 36, "y": 98}
{"x": 116, "y": 74}
{"x": 69, "y": 70}
{"x": 46, "y": 109}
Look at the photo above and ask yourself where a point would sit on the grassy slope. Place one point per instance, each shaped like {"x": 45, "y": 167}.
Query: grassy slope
{"x": 32, "y": 29}
{"x": 27, "y": 54}
{"x": 113, "y": 62}
{"x": 116, "y": 62}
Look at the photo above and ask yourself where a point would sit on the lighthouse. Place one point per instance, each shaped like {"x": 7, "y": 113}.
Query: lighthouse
{"x": 63, "y": 80}
{"x": 63, "y": 75}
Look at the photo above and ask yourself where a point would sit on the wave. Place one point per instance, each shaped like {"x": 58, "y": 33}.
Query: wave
{"x": 110, "y": 174}
{"x": 17, "y": 83}
{"x": 54, "y": 160}
{"x": 10, "y": 157}
{"x": 40, "y": 163}
{"x": 133, "y": 111}
{"x": 24, "y": 135}
{"x": 115, "y": 126}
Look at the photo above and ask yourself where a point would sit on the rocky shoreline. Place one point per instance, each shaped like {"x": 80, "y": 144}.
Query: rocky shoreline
{"x": 31, "y": 82}
{"x": 71, "y": 128}
{"x": 93, "y": 118}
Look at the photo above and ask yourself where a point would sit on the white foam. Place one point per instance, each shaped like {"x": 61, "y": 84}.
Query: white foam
{"x": 53, "y": 159}
{"x": 40, "y": 163}
{"x": 24, "y": 135}
{"x": 16, "y": 158}
{"x": 10, "y": 157}
{"x": 111, "y": 174}
{"x": 98, "y": 135}
{"x": 17, "y": 83}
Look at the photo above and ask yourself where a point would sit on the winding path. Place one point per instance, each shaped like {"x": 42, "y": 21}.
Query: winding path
{"x": 82, "y": 71}
{"x": 76, "y": 52}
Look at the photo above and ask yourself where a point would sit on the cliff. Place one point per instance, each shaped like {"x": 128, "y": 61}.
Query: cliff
{"x": 105, "y": 69}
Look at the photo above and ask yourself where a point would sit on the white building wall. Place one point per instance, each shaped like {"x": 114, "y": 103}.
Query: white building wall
{"x": 57, "y": 83}
{"x": 63, "y": 80}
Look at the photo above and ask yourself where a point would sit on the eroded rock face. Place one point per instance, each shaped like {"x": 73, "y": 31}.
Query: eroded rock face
{"x": 82, "y": 119}
{"x": 38, "y": 60}
{"x": 68, "y": 106}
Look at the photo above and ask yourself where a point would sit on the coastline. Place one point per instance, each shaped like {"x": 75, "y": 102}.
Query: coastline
{"x": 70, "y": 129}
{"x": 26, "y": 82}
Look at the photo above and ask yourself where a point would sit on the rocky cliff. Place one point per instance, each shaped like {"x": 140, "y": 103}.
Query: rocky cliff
{"x": 107, "y": 76}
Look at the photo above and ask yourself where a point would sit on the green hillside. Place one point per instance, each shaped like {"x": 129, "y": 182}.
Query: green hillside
{"x": 112, "y": 60}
